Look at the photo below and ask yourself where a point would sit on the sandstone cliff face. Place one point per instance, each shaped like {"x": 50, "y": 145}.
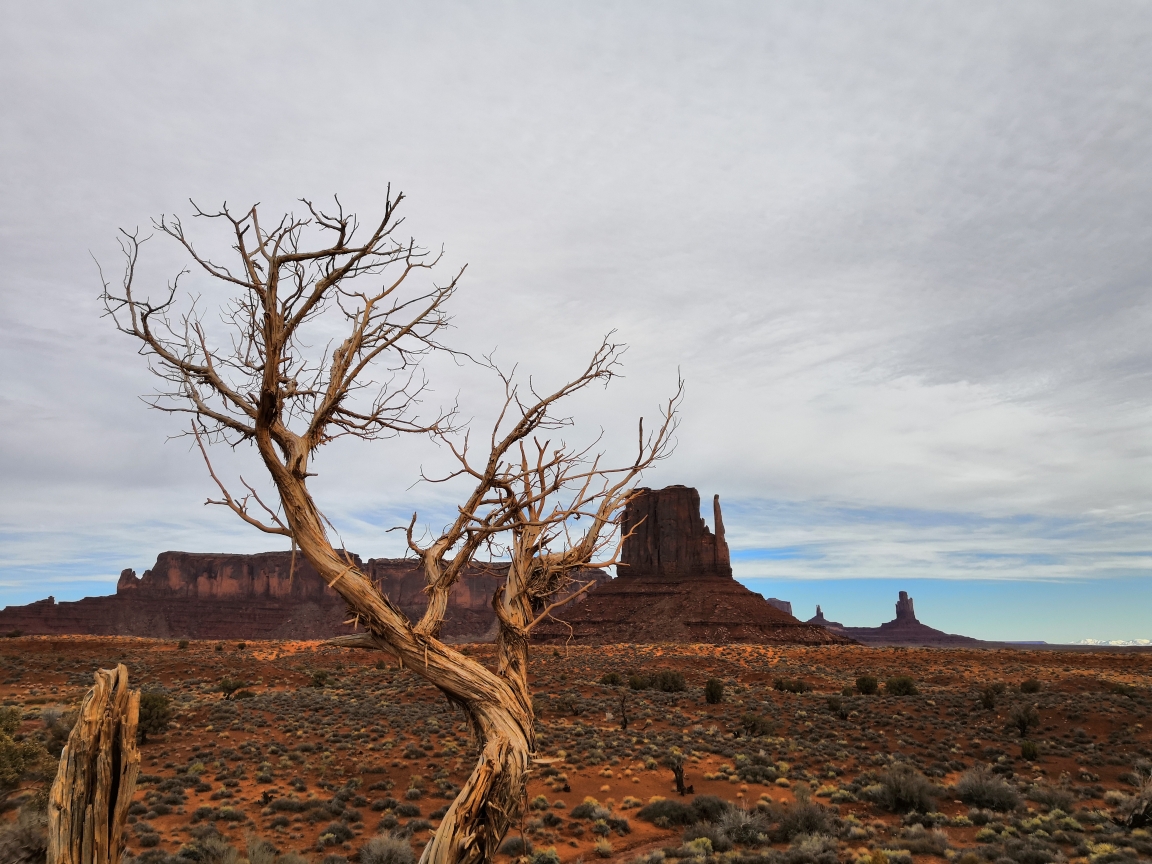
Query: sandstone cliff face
{"x": 666, "y": 536}
{"x": 263, "y": 596}
{"x": 675, "y": 585}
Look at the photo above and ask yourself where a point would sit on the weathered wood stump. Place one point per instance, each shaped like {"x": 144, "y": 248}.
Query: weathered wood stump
{"x": 89, "y": 800}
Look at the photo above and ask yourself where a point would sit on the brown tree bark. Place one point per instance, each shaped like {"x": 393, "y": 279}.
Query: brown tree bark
{"x": 527, "y": 500}
{"x": 89, "y": 799}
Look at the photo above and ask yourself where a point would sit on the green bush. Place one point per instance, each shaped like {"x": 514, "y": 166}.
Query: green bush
{"x": 703, "y": 808}
{"x": 671, "y": 811}
{"x": 639, "y": 682}
{"x": 714, "y": 691}
{"x": 981, "y": 788}
{"x": 1030, "y": 686}
{"x": 319, "y": 678}
{"x": 902, "y": 788}
{"x": 1029, "y": 751}
{"x": 754, "y": 725}
{"x": 516, "y": 846}
{"x": 155, "y": 715}
{"x": 901, "y": 685}
{"x": 791, "y": 685}
{"x": 802, "y": 817}
{"x": 612, "y": 679}
{"x": 387, "y": 850}
{"x": 230, "y": 686}
{"x": 1023, "y": 718}
{"x": 989, "y": 694}
{"x": 867, "y": 685}
{"x": 545, "y": 856}
{"x": 669, "y": 681}
{"x": 182, "y": 644}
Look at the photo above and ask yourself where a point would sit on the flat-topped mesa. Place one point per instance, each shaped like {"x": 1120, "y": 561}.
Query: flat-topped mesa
{"x": 665, "y": 535}
{"x": 268, "y": 595}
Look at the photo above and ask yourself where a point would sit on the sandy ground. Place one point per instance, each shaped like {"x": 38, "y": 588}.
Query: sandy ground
{"x": 318, "y": 766}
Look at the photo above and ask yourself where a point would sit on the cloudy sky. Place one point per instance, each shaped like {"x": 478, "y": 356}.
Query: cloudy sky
{"x": 900, "y": 252}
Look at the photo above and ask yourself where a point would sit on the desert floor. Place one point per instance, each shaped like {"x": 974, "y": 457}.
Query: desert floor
{"x": 331, "y": 747}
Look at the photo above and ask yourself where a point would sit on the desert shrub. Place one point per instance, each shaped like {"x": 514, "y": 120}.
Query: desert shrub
{"x": 900, "y": 685}
{"x": 612, "y": 679}
{"x": 516, "y": 846}
{"x": 839, "y": 707}
{"x": 545, "y": 856}
{"x": 1051, "y": 797}
{"x": 715, "y": 835}
{"x": 25, "y": 841}
{"x": 755, "y": 725}
{"x": 59, "y": 726}
{"x": 335, "y": 832}
{"x": 1022, "y": 718}
{"x": 603, "y": 848}
{"x": 260, "y": 851}
{"x": 709, "y": 808}
{"x": 319, "y": 678}
{"x": 714, "y": 691}
{"x": 989, "y": 693}
{"x": 791, "y": 685}
{"x": 230, "y": 686}
{"x": 745, "y": 827}
{"x": 669, "y": 681}
{"x": 209, "y": 847}
{"x": 639, "y": 682}
{"x": 671, "y": 812}
{"x": 19, "y": 759}
{"x": 155, "y": 715}
{"x": 813, "y": 849}
{"x": 803, "y": 816}
{"x": 981, "y": 788}
{"x": 9, "y": 720}
{"x": 1029, "y": 751}
{"x": 1030, "y": 686}
{"x": 407, "y": 810}
{"x": 867, "y": 685}
{"x": 182, "y": 644}
{"x": 1136, "y": 812}
{"x": 902, "y": 788}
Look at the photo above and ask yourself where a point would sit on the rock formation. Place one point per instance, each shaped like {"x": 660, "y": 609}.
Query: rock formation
{"x": 263, "y": 596}
{"x": 904, "y": 629}
{"x": 783, "y": 605}
{"x": 675, "y": 584}
{"x": 820, "y": 621}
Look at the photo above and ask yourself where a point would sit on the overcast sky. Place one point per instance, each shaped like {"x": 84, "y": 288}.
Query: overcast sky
{"x": 899, "y": 252}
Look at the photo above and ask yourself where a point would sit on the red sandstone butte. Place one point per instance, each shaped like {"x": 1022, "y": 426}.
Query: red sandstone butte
{"x": 262, "y": 596}
{"x": 675, "y": 584}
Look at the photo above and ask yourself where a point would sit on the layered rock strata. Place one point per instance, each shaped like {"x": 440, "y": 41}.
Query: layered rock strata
{"x": 262, "y": 596}
{"x": 675, "y": 584}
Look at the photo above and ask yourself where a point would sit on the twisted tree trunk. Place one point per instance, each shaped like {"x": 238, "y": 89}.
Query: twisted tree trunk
{"x": 89, "y": 800}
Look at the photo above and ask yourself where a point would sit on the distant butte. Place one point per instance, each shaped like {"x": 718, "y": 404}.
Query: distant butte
{"x": 904, "y": 629}
{"x": 674, "y": 584}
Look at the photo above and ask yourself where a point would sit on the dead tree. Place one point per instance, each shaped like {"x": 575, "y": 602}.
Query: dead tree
{"x": 550, "y": 511}
{"x": 89, "y": 799}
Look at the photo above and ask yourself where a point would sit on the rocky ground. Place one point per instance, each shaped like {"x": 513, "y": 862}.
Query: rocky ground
{"x": 324, "y": 749}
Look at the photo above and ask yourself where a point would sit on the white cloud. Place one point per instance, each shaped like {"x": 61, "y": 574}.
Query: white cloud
{"x": 899, "y": 253}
